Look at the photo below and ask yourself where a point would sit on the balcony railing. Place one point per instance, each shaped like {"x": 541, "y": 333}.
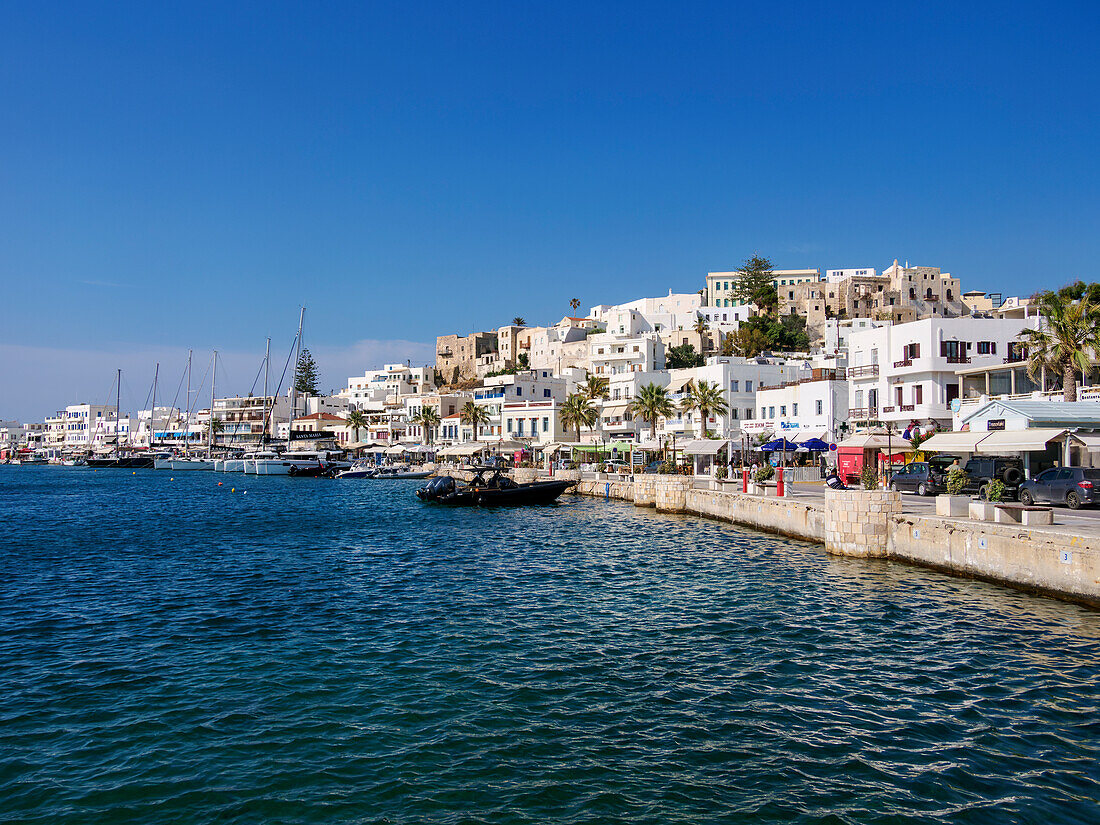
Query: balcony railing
{"x": 862, "y": 412}
{"x": 868, "y": 371}
{"x": 908, "y": 407}
{"x": 888, "y": 409}
{"x": 958, "y": 359}
{"x": 908, "y": 362}
{"x": 1015, "y": 359}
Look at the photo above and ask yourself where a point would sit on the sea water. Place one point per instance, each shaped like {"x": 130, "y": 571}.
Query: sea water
{"x": 318, "y": 651}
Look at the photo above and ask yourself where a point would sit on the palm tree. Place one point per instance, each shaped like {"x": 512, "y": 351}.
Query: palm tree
{"x": 474, "y": 415}
{"x": 1067, "y": 340}
{"x": 577, "y": 412}
{"x": 707, "y": 399}
{"x": 575, "y": 304}
{"x": 651, "y": 403}
{"x": 519, "y": 321}
{"x": 215, "y": 427}
{"x": 702, "y": 325}
{"x": 428, "y": 419}
{"x": 357, "y": 420}
{"x": 915, "y": 441}
{"x": 595, "y": 387}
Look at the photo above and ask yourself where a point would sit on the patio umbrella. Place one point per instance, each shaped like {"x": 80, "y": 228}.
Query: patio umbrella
{"x": 814, "y": 445}
{"x": 780, "y": 444}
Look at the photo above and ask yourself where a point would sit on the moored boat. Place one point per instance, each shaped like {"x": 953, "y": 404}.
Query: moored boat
{"x": 491, "y": 488}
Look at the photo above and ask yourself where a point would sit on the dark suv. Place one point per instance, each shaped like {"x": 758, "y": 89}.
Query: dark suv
{"x": 1072, "y": 486}
{"x": 923, "y": 477}
{"x": 981, "y": 471}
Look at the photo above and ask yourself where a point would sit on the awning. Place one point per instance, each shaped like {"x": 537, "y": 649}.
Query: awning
{"x": 963, "y": 442}
{"x": 467, "y": 449}
{"x": 805, "y": 435}
{"x": 649, "y": 446}
{"x": 508, "y": 446}
{"x": 397, "y": 449}
{"x": 678, "y": 386}
{"x": 549, "y": 449}
{"x": 869, "y": 441}
{"x": 1089, "y": 442}
{"x": 1013, "y": 441}
{"x": 614, "y": 409}
{"x": 704, "y": 446}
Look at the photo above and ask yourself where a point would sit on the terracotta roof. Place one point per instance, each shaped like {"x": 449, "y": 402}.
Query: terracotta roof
{"x": 319, "y": 417}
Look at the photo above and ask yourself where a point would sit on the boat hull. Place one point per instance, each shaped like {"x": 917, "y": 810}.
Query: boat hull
{"x": 128, "y": 463}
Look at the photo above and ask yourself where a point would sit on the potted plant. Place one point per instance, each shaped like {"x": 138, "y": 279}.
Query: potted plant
{"x": 868, "y": 478}
{"x": 953, "y": 504}
{"x": 759, "y": 477}
{"x": 987, "y": 510}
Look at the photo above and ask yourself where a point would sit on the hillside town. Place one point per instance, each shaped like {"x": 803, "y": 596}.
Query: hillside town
{"x": 855, "y": 367}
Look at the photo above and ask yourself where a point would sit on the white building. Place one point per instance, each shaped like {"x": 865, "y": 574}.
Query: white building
{"x": 721, "y": 284}
{"x": 374, "y": 389}
{"x": 835, "y": 276}
{"x": 629, "y": 345}
{"x": 908, "y": 372}
{"x": 815, "y": 407}
{"x": 86, "y": 425}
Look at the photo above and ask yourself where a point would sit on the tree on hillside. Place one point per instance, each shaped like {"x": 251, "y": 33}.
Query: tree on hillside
{"x": 519, "y": 321}
{"x": 305, "y": 374}
{"x": 523, "y": 361}
{"x": 575, "y": 304}
{"x": 683, "y": 357}
{"x": 1067, "y": 341}
{"x": 748, "y": 340}
{"x": 754, "y": 274}
{"x": 1078, "y": 290}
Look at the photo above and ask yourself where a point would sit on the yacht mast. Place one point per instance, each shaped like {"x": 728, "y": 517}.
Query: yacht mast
{"x": 187, "y": 408}
{"x": 267, "y": 369}
{"x": 118, "y": 415}
{"x": 294, "y": 383}
{"x": 153, "y": 411}
{"x": 210, "y": 426}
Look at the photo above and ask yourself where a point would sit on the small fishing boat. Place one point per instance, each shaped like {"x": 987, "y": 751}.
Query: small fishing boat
{"x": 491, "y": 488}
{"x": 371, "y": 471}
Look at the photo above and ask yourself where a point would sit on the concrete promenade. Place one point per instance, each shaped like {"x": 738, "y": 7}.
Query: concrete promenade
{"x": 1061, "y": 560}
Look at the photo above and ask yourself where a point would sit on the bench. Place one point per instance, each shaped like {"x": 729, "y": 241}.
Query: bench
{"x": 1022, "y": 514}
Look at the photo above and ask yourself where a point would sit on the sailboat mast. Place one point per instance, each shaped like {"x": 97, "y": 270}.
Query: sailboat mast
{"x": 153, "y": 412}
{"x": 267, "y": 369}
{"x": 187, "y": 407}
{"x": 118, "y": 414}
{"x": 294, "y": 383}
{"x": 210, "y": 426}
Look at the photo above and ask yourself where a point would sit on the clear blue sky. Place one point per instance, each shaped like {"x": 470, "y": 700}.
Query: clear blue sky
{"x": 187, "y": 174}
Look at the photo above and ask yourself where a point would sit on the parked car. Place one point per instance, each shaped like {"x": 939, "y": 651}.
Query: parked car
{"x": 617, "y": 466}
{"x": 981, "y": 471}
{"x": 1071, "y": 486}
{"x": 924, "y": 478}
{"x": 652, "y": 467}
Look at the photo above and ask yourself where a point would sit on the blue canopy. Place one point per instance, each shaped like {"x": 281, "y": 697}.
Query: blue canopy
{"x": 780, "y": 445}
{"x": 814, "y": 444}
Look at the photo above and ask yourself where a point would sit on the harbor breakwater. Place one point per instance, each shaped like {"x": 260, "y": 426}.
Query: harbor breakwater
{"x": 859, "y": 523}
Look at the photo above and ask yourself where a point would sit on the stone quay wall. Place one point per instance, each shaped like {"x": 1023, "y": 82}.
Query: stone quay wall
{"x": 857, "y": 522}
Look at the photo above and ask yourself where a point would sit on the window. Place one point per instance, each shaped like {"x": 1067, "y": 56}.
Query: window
{"x": 509, "y": 426}
{"x": 545, "y": 424}
{"x": 897, "y": 396}
{"x": 818, "y": 406}
{"x": 859, "y": 398}
{"x": 987, "y": 348}
{"x": 519, "y": 390}
{"x": 733, "y": 413}
{"x": 783, "y": 410}
{"x": 546, "y": 393}
{"x": 734, "y": 385}
{"x": 748, "y": 413}
{"x": 763, "y": 412}
{"x": 794, "y": 410}
{"x": 771, "y": 412}
{"x": 748, "y": 386}
{"x": 918, "y": 394}
{"x": 519, "y": 425}
{"x": 911, "y": 351}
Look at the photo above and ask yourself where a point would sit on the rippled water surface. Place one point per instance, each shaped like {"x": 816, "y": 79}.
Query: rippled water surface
{"x": 324, "y": 651}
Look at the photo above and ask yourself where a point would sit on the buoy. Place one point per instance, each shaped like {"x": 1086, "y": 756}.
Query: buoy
{"x": 244, "y": 492}
{"x": 219, "y": 484}
{"x": 232, "y": 489}
{"x": 134, "y": 473}
{"x": 172, "y": 479}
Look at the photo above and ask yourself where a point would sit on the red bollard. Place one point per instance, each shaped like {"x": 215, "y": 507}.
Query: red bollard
{"x": 744, "y": 480}
{"x": 779, "y": 483}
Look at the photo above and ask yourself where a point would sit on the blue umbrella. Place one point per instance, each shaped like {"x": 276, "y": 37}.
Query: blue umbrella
{"x": 780, "y": 445}
{"x": 814, "y": 445}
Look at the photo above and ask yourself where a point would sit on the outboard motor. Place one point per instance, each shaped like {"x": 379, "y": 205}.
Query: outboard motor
{"x": 436, "y": 489}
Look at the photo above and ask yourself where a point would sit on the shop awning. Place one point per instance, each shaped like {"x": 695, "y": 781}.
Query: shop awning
{"x": 548, "y": 449}
{"x": 704, "y": 446}
{"x": 678, "y": 386}
{"x": 468, "y": 449}
{"x": 803, "y": 436}
{"x": 614, "y": 409}
{"x": 396, "y": 449}
{"x": 963, "y": 442}
{"x": 1018, "y": 441}
{"x": 1088, "y": 441}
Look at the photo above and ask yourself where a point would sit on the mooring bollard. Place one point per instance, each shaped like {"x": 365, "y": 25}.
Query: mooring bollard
{"x": 607, "y": 490}
{"x": 779, "y": 483}
{"x": 744, "y": 480}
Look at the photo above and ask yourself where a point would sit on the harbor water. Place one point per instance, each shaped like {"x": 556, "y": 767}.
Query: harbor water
{"x": 319, "y": 651}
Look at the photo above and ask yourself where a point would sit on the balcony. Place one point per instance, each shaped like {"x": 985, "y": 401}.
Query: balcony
{"x": 907, "y": 407}
{"x": 868, "y": 371}
{"x": 908, "y": 362}
{"x": 888, "y": 409}
{"x": 858, "y": 413}
{"x": 958, "y": 359}
{"x": 1015, "y": 359}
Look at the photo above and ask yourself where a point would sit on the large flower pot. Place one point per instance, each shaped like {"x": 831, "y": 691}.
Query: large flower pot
{"x": 982, "y": 510}
{"x": 952, "y": 506}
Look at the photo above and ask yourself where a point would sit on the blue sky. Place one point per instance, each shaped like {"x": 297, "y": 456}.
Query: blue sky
{"x": 188, "y": 174}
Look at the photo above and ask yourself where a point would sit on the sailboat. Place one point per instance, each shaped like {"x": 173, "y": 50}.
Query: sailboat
{"x": 118, "y": 459}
